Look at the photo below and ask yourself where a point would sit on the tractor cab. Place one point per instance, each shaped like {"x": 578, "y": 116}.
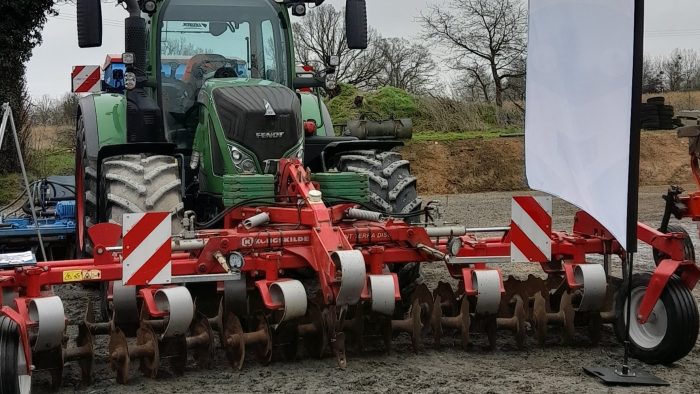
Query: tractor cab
{"x": 213, "y": 53}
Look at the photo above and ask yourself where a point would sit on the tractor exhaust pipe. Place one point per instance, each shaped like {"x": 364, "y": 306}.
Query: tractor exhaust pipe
{"x": 135, "y": 37}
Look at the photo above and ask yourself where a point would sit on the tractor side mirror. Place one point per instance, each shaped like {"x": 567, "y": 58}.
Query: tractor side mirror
{"x": 89, "y": 23}
{"x": 356, "y": 23}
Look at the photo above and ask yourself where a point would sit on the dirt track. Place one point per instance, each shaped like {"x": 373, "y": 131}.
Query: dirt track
{"x": 554, "y": 369}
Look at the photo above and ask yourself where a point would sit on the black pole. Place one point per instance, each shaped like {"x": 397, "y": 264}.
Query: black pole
{"x": 635, "y": 128}
{"x": 626, "y": 358}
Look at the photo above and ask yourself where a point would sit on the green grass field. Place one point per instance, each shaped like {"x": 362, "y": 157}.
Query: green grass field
{"x": 45, "y": 162}
{"x": 430, "y": 136}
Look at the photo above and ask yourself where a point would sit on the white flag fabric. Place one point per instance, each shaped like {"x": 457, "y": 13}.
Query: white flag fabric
{"x": 579, "y": 99}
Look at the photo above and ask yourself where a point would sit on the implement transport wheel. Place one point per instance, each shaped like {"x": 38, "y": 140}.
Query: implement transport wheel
{"x": 672, "y": 329}
{"x": 392, "y": 189}
{"x": 13, "y": 365}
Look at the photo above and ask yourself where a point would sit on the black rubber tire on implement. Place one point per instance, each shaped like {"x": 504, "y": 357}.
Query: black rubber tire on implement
{"x": 139, "y": 183}
{"x": 688, "y": 247}
{"x": 392, "y": 190}
{"x": 682, "y": 321}
{"x": 9, "y": 356}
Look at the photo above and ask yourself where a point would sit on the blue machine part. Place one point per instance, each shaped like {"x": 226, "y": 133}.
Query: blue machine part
{"x": 24, "y": 227}
{"x": 65, "y": 210}
{"x": 114, "y": 76}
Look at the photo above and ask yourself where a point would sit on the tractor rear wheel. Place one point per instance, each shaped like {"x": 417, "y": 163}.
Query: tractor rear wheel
{"x": 392, "y": 189}
{"x": 139, "y": 183}
{"x": 13, "y": 366}
{"x": 672, "y": 329}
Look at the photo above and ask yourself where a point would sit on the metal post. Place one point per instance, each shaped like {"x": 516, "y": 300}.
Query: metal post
{"x": 8, "y": 114}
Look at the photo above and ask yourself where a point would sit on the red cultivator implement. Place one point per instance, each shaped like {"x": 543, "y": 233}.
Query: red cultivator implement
{"x": 299, "y": 271}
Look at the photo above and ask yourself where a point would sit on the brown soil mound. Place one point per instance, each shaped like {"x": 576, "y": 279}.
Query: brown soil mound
{"x": 478, "y": 165}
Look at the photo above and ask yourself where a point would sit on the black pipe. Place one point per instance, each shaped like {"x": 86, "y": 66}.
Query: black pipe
{"x": 135, "y": 38}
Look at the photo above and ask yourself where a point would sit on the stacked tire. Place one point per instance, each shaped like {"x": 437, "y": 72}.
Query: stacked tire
{"x": 656, "y": 115}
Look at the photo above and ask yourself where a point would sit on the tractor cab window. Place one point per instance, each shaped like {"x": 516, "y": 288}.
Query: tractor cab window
{"x": 204, "y": 39}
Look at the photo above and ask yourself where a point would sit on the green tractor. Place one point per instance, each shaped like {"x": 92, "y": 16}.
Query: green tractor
{"x": 207, "y": 90}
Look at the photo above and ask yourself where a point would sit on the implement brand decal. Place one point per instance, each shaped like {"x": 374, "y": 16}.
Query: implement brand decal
{"x": 249, "y": 241}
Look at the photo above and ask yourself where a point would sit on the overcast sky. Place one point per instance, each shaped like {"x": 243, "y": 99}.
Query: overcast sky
{"x": 669, "y": 24}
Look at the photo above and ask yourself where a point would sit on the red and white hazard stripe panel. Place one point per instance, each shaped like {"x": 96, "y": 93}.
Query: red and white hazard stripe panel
{"x": 530, "y": 229}
{"x": 86, "y": 79}
{"x": 146, "y": 249}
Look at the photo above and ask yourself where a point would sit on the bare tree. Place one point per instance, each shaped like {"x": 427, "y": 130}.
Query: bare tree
{"x": 321, "y": 33}
{"x": 652, "y": 75}
{"x": 406, "y": 65}
{"x": 487, "y": 32}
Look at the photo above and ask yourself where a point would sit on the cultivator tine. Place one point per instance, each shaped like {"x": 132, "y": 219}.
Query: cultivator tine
{"x": 335, "y": 323}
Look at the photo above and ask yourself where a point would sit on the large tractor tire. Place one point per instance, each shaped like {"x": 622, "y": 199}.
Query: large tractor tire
{"x": 13, "y": 366}
{"x": 139, "y": 183}
{"x": 392, "y": 190}
{"x": 672, "y": 329}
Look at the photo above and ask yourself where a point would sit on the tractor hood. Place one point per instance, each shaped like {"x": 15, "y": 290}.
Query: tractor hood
{"x": 260, "y": 116}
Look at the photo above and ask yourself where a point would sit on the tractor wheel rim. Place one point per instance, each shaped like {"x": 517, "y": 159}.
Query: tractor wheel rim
{"x": 650, "y": 334}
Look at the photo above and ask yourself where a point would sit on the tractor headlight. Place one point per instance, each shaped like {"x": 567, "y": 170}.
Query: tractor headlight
{"x": 242, "y": 161}
{"x": 129, "y": 80}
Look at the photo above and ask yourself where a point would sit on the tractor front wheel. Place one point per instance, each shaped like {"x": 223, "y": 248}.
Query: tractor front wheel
{"x": 672, "y": 329}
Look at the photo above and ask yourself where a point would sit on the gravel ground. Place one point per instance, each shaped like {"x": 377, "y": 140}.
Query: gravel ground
{"x": 557, "y": 368}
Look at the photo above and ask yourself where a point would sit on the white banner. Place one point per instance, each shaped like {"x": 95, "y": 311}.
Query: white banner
{"x": 579, "y": 98}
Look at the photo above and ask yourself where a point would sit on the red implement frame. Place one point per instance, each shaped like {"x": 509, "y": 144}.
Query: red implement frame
{"x": 303, "y": 233}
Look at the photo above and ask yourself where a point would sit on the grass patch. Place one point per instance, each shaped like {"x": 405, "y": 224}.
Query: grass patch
{"x": 11, "y": 187}
{"x": 53, "y": 162}
{"x": 45, "y": 162}
{"x": 425, "y": 136}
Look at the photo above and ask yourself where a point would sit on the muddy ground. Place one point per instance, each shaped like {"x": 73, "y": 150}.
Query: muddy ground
{"x": 556, "y": 368}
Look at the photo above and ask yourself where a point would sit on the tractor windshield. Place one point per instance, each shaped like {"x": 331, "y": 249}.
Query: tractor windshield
{"x": 207, "y": 39}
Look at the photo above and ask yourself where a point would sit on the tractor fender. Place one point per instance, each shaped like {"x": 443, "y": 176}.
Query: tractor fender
{"x": 321, "y": 152}
{"x": 104, "y": 118}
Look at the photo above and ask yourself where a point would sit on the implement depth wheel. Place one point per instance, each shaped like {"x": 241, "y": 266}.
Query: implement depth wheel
{"x": 13, "y": 366}
{"x": 672, "y": 329}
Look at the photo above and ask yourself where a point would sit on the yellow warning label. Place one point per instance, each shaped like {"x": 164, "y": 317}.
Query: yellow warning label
{"x": 80, "y": 275}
